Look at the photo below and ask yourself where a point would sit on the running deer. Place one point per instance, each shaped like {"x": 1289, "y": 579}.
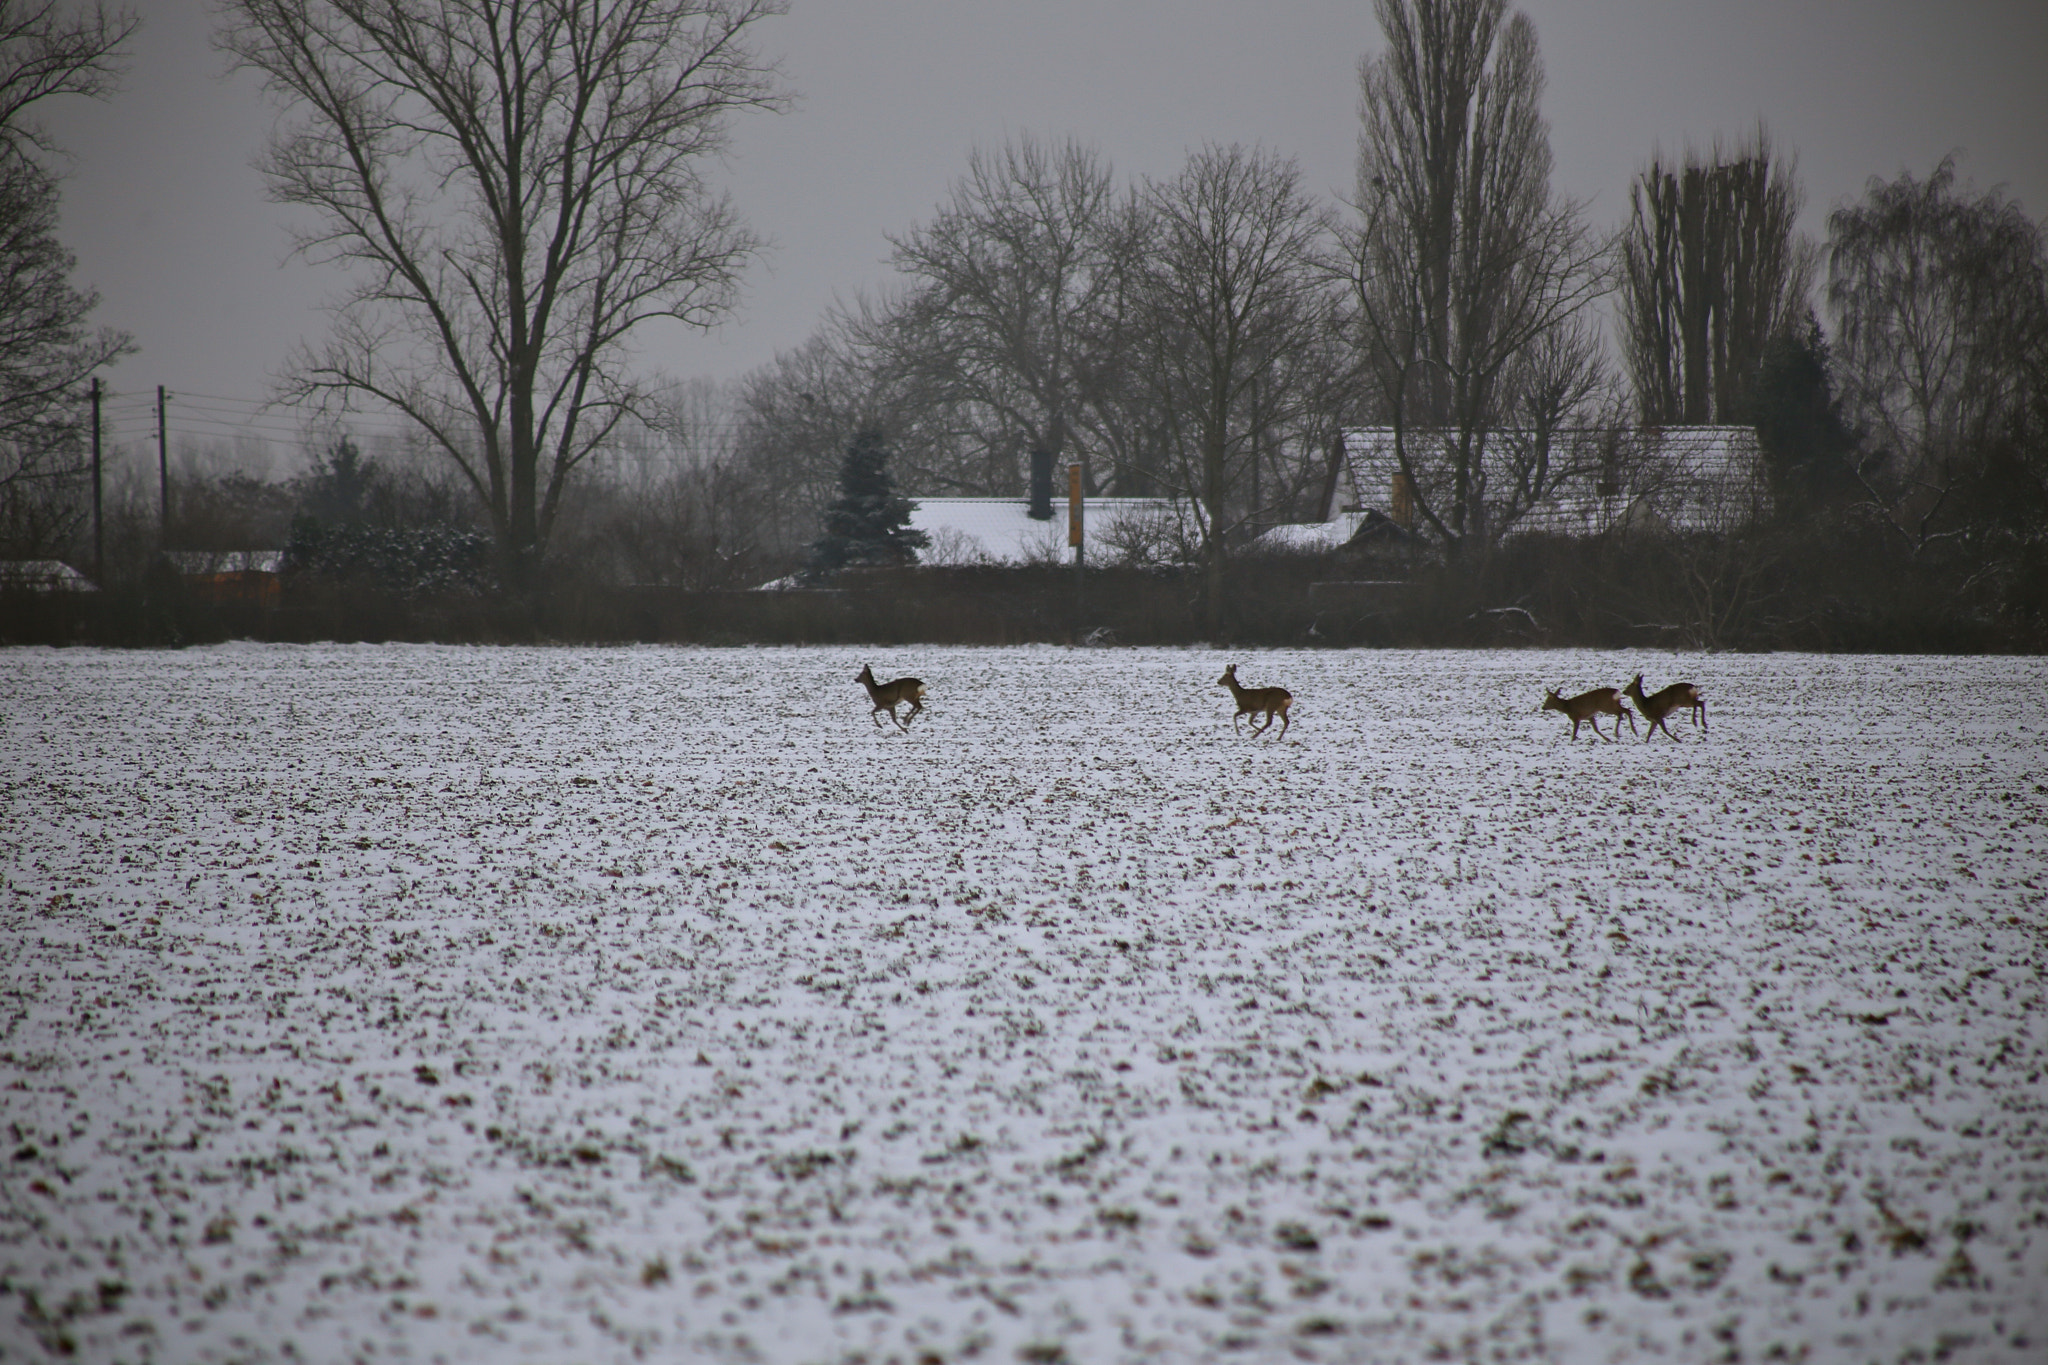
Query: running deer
{"x": 1662, "y": 703}
{"x": 890, "y": 695}
{"x": 1257, "y": 701}
{"x": 1588, "y": 707}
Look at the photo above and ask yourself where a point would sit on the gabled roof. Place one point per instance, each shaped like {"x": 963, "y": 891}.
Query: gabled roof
{"x": 1313, "y": 536}
{"x": 1002, "y": 531}
{"x": 1354, "y": 529}
{"x": 1684, "y": 477}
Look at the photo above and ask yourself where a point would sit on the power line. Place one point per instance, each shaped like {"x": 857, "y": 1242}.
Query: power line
{"x": 225, "y": 426}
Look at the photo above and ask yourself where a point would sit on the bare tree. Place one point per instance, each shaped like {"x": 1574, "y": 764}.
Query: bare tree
{"x": 1463, "y": 258}
{"x": 1014, "y": 285}
{"x": 796, "y": 416}
{"x": 670, "y": 501}
{"x": 1558, "y": 377}
{"x": 518, "y": 184}
{"x": 1712, "y": 268}
{"x": 793, "y": 418}
{"x": 1941, "y": 307}
{"x": 48, "y": 351}
{"x": 1231, "y": 293}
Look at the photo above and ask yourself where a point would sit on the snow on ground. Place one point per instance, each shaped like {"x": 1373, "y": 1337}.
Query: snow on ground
{"x": 415, "y": 1003}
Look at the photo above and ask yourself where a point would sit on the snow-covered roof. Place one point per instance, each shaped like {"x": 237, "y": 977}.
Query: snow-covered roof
{"x": 1685, "y": 478}
{"x": 1311, "y": 537}
{"x": 43, "y": 575}
{"x": 1002, "y": 531}
{"x": 197, "y": 563}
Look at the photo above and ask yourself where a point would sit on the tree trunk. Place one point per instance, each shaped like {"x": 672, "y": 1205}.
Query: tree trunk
{"x": 1212, "y": 495}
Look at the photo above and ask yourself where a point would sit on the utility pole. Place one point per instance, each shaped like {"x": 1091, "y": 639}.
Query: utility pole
{"x": 163, "y": 475}
{"x": 99, "y": 538}
{"x": 1074, "y": 495}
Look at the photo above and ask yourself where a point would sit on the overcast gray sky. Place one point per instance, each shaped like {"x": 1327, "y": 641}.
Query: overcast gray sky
{"x": 170, "y": 223}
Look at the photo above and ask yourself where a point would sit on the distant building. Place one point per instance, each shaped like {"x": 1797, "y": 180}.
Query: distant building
{"x": 42, "y": 576}
{"x": 1670, "y": 478}
{"x": 1311, "y": 537}
{"x": 1370, "y": 531}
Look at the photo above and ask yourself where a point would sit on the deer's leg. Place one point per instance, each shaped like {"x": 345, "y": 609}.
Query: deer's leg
{"x": 1594, "y": 721}
{"x": 1285, "y": 721}
{"x": 1631, "y": 722}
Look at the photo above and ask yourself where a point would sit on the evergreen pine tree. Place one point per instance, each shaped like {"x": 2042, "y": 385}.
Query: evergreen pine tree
{"x": 1808, "y": 447}
{"x": 868, "y": 523}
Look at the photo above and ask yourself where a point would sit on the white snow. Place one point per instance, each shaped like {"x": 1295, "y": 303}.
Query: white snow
{"x": 1003, "y": 531}
{"x": 419, "y": 1003}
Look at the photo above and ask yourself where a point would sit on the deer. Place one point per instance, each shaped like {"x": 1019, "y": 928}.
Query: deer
{"x": 1663, "y": 702}
{"x": 1589, "y": 707}
{"x": 887, "y": 696}
{"x": 1256, "y": 701}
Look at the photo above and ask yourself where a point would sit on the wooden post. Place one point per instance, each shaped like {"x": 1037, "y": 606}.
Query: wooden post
{"x": 1401, "y": 502}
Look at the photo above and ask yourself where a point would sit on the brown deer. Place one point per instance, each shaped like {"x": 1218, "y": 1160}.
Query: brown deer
{"x": 1663, "y": 702}
{"x": 1588, "y": 707}
{"x": 890, "y": 695}
{"x": 1257, "y": 701}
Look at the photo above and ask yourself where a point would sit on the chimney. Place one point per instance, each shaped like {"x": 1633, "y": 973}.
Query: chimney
{"x": 1041, "y": 485}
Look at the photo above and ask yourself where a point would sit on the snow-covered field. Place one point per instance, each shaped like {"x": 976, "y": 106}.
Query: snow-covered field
{"x": 412, "y": 1003}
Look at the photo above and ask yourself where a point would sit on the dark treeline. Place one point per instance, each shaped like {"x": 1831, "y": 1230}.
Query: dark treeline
{"x": 1207, "y": 337}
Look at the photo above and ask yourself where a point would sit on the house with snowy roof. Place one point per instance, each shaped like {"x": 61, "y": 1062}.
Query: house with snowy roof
{"x": 1698, "y": 478}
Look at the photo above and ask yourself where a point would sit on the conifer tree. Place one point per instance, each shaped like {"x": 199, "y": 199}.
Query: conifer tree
{"x": 868, "y": 523}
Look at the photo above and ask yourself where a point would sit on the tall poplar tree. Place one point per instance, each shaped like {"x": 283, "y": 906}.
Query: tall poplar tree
{"x": 1469, "y": 273}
